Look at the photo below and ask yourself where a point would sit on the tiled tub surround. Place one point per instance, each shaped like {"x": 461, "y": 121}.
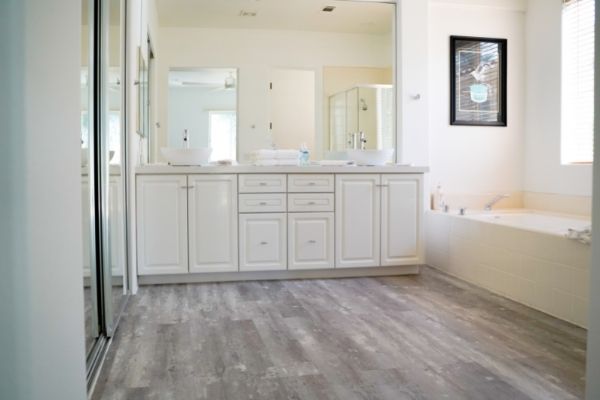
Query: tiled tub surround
{"x": 519, "y": 254}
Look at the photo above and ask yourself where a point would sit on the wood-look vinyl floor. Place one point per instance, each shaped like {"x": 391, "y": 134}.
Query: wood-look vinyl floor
{"x": 408, "y": 337}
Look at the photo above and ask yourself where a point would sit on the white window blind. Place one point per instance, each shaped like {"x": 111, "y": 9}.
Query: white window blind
{"x": 577, "y": 81}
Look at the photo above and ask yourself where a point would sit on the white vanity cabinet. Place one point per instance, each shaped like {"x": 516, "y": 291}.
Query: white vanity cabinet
{"x": 162, "y": 224}
{"x": 206, "y": 225}
{"x": 377, "y": 220}
{"x": 186, "y": 223}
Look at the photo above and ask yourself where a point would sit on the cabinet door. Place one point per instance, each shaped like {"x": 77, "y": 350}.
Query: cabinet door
{"x": 162, "y": 224}
{"x": 263, "y": 242}
{"x": 400, "y": 211}
{"x": 212, "y": 208}
{"x": 310, "y": 242}
{"x": 357, "y": 220}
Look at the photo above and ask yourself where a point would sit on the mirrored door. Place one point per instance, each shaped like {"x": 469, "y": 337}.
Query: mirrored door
{"x": 103, "y": 173}
{"x": 113, "y": 156}
{"x": 90, "y": 281}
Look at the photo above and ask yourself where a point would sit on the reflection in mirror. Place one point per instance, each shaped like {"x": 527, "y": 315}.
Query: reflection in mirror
{"x": 306, "y": 73}
{"x": 114, "y": 152}
{"x": 87, "y": 204}
{"x": 203, "y": 110}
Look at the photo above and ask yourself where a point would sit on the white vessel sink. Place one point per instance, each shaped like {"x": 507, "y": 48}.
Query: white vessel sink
{"x": 371, "y": 157}
{"x": 197, "y": 156}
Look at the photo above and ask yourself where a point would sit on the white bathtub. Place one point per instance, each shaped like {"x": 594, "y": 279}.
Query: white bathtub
{"x": 533, "y": 221}
{"x": 519, "y": 254}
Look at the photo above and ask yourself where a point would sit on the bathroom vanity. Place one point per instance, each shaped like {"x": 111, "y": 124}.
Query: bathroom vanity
{"x": 248, "y": 222}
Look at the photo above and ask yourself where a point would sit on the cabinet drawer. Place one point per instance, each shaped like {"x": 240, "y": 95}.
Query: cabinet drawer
{"x": 257, "y": 203}
{"x": 263, "y": 242}
{"x": 310, "y": 202}
{"x": 311, "y": 239}
{"x": 310, "y": 183}
{"x": 259, "y": 183}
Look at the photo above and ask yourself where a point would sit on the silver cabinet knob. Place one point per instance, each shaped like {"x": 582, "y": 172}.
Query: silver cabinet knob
{"x": 263, "y": 183}
{"x": 312, "y": 241}
{"x": 264, "y": 243}
{"x": 263, "y": 203}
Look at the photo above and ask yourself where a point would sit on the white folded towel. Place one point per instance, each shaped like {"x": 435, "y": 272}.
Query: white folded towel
{"x": 335, "y": 163}
{"x": 583, "y": 236}
{"x": 267, "y": 154}
{"x": 286, "y": 154}
{"x": 274, "y": 162}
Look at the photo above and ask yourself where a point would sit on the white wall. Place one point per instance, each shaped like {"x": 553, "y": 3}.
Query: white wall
{"x": 255, "y": 52}
{"x": 188, "y": 109}
{"x": 542, "y": 148}
{"x": 41, "y": 290}
{"x": 468, "y": 159}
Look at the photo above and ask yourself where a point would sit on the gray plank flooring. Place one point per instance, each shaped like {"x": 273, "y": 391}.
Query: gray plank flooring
{"x": 408, "y": 337}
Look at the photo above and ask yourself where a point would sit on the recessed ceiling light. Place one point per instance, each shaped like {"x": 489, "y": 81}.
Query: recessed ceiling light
{"x": 328, "y": 8}
{"x": 245, "y": 13}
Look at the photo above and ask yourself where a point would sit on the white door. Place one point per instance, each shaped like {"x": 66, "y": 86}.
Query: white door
{"x": 310, "y": 243}
{"x": 400, "y": 210}
{"x": 212, "y": 208}
{"x": 162, "y": 224}
{"x": 263, "y": 242}
{"x": 292, "y": 108}
{"x": 357, "y": 220}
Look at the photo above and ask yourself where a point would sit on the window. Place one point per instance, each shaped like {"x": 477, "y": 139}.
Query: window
{"x": 222, "y": 128}
{"x": 577, "y": 128}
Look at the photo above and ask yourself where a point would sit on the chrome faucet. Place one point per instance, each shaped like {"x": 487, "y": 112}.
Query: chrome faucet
{"x": 363, "y": 140}
{"x": 497, "y": 198}
{"x": 186, "y": 139}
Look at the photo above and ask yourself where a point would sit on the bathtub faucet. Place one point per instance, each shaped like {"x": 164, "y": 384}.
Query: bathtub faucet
{"x": 497, "y": 198}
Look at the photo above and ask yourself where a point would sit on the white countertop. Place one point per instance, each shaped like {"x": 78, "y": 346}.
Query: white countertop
{"x": 153, "y": 169}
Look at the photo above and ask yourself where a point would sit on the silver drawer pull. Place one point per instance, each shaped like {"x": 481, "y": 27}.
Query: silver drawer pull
{"x": 263, "y": 203}
{"x": 382, "y": 185}
{"x": 264, "y": 243}
{"x": 311, "y": 184}
{"x": 312, "y": 241}
{"x": 263, "y": 183}
{"x": 187, "y": 187}
{"x": 311, "y": 203}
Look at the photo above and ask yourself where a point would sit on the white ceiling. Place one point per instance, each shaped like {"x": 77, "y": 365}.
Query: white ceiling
{"x": 306, "y": 15}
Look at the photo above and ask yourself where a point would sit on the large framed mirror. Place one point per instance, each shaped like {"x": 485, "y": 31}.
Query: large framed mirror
{"x": 307, "y": 74}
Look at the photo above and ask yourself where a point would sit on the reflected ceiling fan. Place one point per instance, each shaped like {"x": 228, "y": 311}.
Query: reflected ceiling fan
{"x": 229, "y": 83}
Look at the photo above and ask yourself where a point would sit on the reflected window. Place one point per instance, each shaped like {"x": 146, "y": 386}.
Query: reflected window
{"x": 222, "y": 128}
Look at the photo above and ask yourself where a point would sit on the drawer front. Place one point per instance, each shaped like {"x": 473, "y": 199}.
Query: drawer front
{"x": 310, "y": 183}
{"x": 257, "y": 203}
{"x": 311, "y": 241}
{"x": 310, "y": 202}
{"x": 259, "y": 183}
{"x": 263, "y": 242}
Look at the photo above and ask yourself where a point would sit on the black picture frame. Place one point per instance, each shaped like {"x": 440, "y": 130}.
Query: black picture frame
{"x": 486, "y": 101}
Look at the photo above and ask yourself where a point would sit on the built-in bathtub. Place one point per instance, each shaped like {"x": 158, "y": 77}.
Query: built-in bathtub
{"x": 519, "y": 254}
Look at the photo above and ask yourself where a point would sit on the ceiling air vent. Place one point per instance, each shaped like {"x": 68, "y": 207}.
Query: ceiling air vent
{"x": 246, "y": 13}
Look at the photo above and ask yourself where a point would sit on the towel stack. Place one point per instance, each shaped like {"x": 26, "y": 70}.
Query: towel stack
{"x": 274, "y": 157}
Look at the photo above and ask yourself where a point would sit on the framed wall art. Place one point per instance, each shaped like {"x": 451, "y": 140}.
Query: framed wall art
{"x": 477, "y": 81}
